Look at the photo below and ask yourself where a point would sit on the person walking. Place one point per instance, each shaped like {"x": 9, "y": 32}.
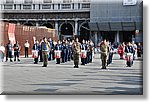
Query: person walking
{"x": 17, "y": 48}
{"x": 76, "y": 53}
{"x": 45, "y": 50}
{"x": 104, "y": 49}
{"x": 9, "y": 51}
{"x": 26, "y": 46}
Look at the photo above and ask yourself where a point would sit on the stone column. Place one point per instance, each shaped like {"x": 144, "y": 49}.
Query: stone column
{"x": 76, "y": 27}
{"x": 37, "y": 24}
{"x": 117, "y": 37}
{"x": 56, "y": 28}
{"x": 95, "y": 34}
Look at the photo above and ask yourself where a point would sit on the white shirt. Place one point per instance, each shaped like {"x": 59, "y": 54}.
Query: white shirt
{"x": 27, "y": 44}
{"x": 2, "y": 48}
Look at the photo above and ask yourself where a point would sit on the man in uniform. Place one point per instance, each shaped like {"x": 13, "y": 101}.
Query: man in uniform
{"x": 17, "y": 48}
{"x": 9, "y": 51}
{"x": 76, "y": 52}
{"x": 58, "y": 47}
{"x": 45, "y": 50}
{"x": 52, "y": 49}
{"x": 104, "y": 48}
{"x": 83, "y": 48}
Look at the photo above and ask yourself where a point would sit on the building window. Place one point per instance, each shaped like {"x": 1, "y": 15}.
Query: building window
{"x": 66, "y": 6}
{"x": 8, "y": 6}
{"x": 9, "y": 1}
{"x": 34, "y": 6}
{"x": 27, "y": 1}
{"x": 73, "y": 6}
{"x": 86, "y": 0}
{"x": 46, "y": 6}
{"x": 86, "y": 5}
{"x": 78, "y": 5}
{"x": 67, "y": 1}
{"x": 47, "y": 1}
{"x": 58, "y": 6}
{"x": 15, "y": 6}
{"x": 27, "y": 6}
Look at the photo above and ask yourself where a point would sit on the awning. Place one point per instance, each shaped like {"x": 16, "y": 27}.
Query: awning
{"x": 115, "y": 26}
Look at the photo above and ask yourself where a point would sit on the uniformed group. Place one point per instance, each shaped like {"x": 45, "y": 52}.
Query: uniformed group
{"x": 66, "y": 50}
{"x": 63, "y": 51}
{"x": 13, "y": 51}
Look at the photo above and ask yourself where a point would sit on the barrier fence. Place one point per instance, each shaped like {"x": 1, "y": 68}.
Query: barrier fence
{"x": 23, "y": 33}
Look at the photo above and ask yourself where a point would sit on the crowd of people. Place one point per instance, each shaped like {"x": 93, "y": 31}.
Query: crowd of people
{"x": 66, "y": 50}
{"x": 63, "y": 51}
{"x": 107, "y": 51}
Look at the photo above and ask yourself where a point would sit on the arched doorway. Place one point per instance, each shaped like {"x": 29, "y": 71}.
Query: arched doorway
{"x": 28, "y": 24}
{"x": 66, "y": 31}
{"x": 48, "y": 25}
{"x": 84, "y": 31}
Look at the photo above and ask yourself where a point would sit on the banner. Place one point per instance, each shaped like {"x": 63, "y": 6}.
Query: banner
{"x": 11, "y": 33}
{"x": 129, "y": 2}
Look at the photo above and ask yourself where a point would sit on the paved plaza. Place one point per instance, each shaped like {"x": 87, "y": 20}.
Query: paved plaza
{"x": 27, "y": 78}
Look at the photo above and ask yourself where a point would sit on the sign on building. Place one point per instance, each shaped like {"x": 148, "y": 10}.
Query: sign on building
{"x": 129, "y": 2}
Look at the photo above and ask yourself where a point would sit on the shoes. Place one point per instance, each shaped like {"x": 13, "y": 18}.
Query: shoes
{"x": 103, "y": 68}
{"x": 76, "y": 66}
{"x": 18, "y": 60}
{"x": 44, "y": 66}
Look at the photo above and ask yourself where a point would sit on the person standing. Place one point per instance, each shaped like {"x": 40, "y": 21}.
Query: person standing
{"x": 121, "y": 50}
{"x": 69, "y": 50}
{"x": 104, "y": 49}
{"x": 2, "y": 52}
{"x": 45, "y": 50}
{"x": 51, "y": 49}
{"x": 88, "y": 53}
{"x": 40, "y": 50}
{"x": 76, "y": 53}
{"x": 91, "y": 50}
{"x": 64, "y": 51}
{"x": 134, "y": 49}
{"x": 58, "y": 49}
{"x": 36, "y": 48}
{"x": 139, "y": 50}
{"x": 26, "y": 46}
{"x": 9, "y": 51}
{"x": 110, "y": 56}
{"x": 83, "y": 53}
{"x": 17, "y": 48}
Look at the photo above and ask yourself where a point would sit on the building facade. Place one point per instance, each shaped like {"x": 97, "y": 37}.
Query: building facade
{"x": 115, "y": 20}
{"x": 69, "y": 17}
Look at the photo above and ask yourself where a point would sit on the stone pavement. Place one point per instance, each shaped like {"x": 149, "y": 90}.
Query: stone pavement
{"x": 27, "y": 78}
